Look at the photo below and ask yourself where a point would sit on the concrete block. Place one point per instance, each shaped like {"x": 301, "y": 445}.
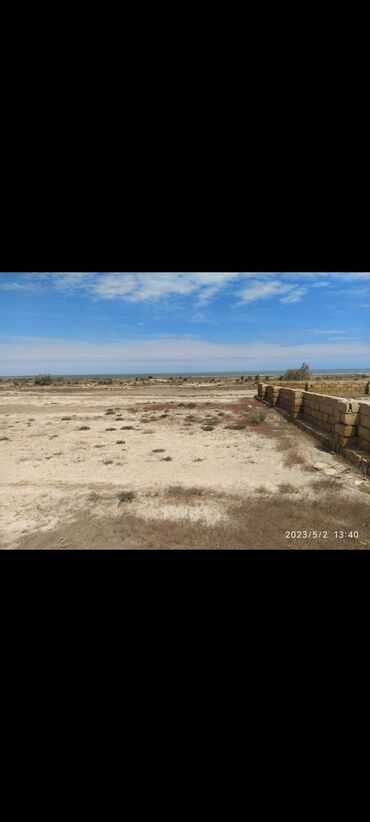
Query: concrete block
{"x": 347, "y": 419}
{"x": 345, "y": 430}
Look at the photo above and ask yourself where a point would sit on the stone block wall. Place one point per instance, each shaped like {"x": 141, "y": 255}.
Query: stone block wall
{"x": 364, "y": 426}
{"x": 291, "y": 401}
{"x": 345, "y": 422}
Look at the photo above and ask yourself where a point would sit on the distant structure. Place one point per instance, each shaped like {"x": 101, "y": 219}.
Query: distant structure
{"x": 367, "y": 388}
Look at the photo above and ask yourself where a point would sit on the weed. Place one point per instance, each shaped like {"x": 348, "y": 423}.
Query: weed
{"x": 260, "y": 417}
{"x": 126, "y": 496}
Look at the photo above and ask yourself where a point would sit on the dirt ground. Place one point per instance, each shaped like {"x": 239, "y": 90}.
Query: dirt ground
{"x": 196, "y": 465}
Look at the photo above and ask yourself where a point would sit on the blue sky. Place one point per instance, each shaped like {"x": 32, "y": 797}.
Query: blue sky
{"x": 104, "y": 322}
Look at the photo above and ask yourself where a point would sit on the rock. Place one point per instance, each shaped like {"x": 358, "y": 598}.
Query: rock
{"x": 321, "y": 466}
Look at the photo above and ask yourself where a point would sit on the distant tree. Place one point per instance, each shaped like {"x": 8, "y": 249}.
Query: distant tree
{"x": 296, "y": 374}
{"x": 267, "y": 379}
{"x": 257, "y": 378}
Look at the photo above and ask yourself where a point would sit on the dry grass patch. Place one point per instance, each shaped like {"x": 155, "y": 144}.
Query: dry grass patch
{"x": 327, "y": 485}
{"x": 288, "y": 488}
{"x": 246, "y": 525}
{"x": 236, "y": 427}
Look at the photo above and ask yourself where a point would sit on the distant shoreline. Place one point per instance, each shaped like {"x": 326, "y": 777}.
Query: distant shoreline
{"x": 194, "y": 374}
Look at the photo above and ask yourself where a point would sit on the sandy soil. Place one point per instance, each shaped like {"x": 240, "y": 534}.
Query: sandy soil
{"x": 57, "y": 478}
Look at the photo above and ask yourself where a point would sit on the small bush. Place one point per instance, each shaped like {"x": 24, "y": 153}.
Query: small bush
{"x": 167, "y": 459}
{"x": 120, "y": 442}
{"x": 94, "y": 497}
{"x": 110, "y": 411}
{"x": 111, "y": 429}
{"x": 126, "y": 496}
{"x": 106, "y": 381}
{"x": 66, "y": 419}
{"x": 158, "y": 451}
{"x": 83, "y": 428}
{"x": 127, "y": 428}
{"x": 107, "y": 462}
{"x": 260, "y": 417}
{"x": 2, "y": 439}
{"x": 207, "y": 428}
{"x": 43, "y": 379}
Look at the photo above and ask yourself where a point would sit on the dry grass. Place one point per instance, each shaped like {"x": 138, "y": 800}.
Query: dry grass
{"x": 295, "y": 457}
{"x": 327, "y": 485}
{"x": 181, "y": 492}
{"x": 238, "y": 426}
{"x": 288, "y": 488}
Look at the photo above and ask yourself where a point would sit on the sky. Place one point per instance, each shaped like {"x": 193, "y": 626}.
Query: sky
{"x": 128, "y": 323}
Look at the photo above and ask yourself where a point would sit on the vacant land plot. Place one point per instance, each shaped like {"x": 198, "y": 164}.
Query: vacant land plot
{"x": 184, "y": 465}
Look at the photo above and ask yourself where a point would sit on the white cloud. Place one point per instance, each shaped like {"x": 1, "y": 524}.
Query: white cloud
{"x": 295, "y": 296}
{"x": 258, "y": 290}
